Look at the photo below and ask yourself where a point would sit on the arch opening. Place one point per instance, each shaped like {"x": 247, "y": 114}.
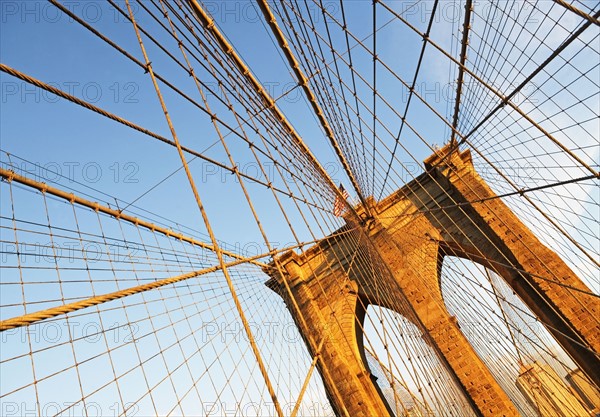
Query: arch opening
{"x": 410, "y": 375}
{"x": 522, "y": 355}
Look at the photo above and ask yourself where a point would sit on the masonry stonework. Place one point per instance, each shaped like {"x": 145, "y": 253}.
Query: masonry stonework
{"x": 447, "y": 211}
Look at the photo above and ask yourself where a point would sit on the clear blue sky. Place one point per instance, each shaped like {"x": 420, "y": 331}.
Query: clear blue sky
{"x": 106, "y": 160}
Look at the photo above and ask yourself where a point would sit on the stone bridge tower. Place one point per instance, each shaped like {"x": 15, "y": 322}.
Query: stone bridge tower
{"x": 448, "y": 210}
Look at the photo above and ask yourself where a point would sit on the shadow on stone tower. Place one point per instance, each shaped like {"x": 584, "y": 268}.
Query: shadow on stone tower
{"x": 394, "y": 260}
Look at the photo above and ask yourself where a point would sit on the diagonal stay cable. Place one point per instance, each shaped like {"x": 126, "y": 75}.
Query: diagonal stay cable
{"x": 12, "y": 176}
{"x": 303, "y": 81}
{"x": 410, "y": 95}
{"x": 89, "y": 106}
{"x": 507, "y": 99}
{"x": 579, "y": 12}
{"x": 207, "y": 224}
{"x": 504, "y": 100}
{"x": 209, "y": 24}
{"x": 461, "y": 71}
{"x": 32, "y": 318}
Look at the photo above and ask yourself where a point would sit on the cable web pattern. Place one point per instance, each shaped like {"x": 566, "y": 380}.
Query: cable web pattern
{"x": 163, "y": 160}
